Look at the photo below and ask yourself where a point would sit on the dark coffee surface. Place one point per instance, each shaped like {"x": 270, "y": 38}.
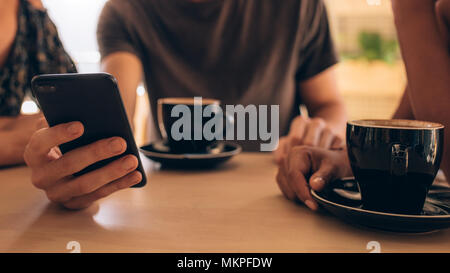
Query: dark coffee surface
{"x": 238, "y": 51}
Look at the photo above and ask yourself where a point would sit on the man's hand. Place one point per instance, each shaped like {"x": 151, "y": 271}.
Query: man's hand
{"x": 53, "y": 172}
{"x": 307, "y": 168}
{"x": 312, "y": 132}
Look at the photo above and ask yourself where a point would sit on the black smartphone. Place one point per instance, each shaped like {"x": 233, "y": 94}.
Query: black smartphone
{"x": 94, "y": 100}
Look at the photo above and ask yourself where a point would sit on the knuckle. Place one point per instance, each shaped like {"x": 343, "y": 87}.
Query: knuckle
{"x": 319, "y": 122}
{"x": 283, "y": 159}
{"x": 327, "y": 131}
{"x": 295, "y": 139}
{"x": 300, "y": 119}
{"x": 98, "y": 150}
{"x": 292, "y": 174}
{"x": 299, "y": 150}
{"x": 309, "y": 142}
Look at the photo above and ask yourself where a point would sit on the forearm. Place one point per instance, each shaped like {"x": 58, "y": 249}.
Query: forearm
{"x": 427, "y": 63}
{"x": 404, "y": 110}
{"x": 426, "y": 58}
{"x": 321, "y": 96}
{"x": 334, "y": 114}
{"x": 127, "y": 69}
{"x": 12, "y": 149}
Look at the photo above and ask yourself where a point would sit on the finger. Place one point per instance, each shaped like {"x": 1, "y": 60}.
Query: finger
{"x": 89, "y": 182}
{"x": 283, "y": 184}
{"x": 280, "y": 151}
{"x": 298, "y": 126}
{"x": 106, "y": 190}
{"x": 296, "y": 132}
{"x": 337, "y": 143}
{"x": 324, "y": 175}
{"x": 313, "y": 131}
{"x": 57, "y": 150}
{"x": 43, "y": 140}
{"x": 299, "y": 165}
{"x": 326, "y": 138}
{"x": 78, "y": 159}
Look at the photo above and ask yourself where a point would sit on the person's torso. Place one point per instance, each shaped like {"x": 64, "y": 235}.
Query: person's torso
{"x": 239, "y": 51}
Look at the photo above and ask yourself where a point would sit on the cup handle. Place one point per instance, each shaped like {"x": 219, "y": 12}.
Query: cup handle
{"x": 399, "y": 159}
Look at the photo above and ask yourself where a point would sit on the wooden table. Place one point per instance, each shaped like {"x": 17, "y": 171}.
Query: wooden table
{"x": 236, "y": 208}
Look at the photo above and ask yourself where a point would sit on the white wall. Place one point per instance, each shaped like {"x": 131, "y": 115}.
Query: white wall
{"x": 77, "y": 23}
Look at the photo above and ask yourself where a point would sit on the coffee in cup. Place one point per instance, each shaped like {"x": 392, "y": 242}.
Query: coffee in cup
{"x": 394, "y": 162}
{"x": 192, "y": 140}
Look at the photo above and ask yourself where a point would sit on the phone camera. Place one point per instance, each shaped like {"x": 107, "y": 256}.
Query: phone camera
{"x": 47, "y": 89}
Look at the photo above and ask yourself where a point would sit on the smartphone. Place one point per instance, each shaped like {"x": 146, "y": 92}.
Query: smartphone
{"x": 94, "y": 100}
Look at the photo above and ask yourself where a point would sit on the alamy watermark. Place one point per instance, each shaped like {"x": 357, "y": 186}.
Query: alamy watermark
{"x": 257, "y": 126}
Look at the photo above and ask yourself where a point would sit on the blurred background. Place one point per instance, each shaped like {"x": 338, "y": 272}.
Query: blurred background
{"x": 371, "y": 74}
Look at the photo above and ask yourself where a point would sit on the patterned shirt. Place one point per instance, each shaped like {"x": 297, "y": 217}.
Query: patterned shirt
{"x": 36, "y": 50}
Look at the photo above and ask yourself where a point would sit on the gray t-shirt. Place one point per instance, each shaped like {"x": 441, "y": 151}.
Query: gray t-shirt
{"x": 239, "y": 51}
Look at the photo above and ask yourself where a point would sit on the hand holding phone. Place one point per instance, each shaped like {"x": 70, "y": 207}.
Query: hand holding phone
{"x": 88, "y": 152}
{"x": 52, "y": 171}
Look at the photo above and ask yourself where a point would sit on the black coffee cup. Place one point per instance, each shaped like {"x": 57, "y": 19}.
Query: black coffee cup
{"x": 394, "y": 162}
{"x": 193, "y": 139}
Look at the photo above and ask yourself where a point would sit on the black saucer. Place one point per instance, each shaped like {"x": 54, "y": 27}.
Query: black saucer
{"x": 219, "y": 153}
{"x": 344, "y": 201}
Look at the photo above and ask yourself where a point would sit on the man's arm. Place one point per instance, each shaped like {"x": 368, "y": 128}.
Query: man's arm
{"x": 326, "y": 127}
{"x": 127, "y": 69}
{"x": 321, "y": 96}
{"x": 427, "y": 61}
